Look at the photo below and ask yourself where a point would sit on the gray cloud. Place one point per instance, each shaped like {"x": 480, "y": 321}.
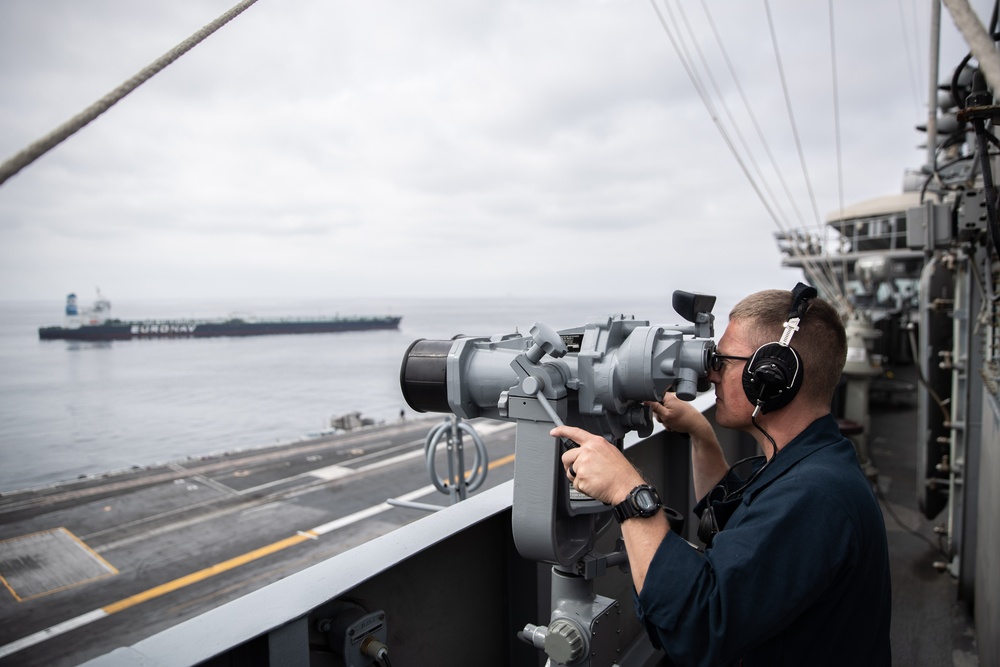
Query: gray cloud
{"x": 512, "y": 144}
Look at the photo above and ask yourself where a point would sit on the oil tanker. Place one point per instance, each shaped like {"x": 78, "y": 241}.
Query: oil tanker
{"x": 95, "y": 325}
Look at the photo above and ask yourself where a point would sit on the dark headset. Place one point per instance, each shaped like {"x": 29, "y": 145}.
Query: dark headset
{"x": 773, "y": 375}
{"x": 771, "y": 379}
{"x": 721, "y": 503}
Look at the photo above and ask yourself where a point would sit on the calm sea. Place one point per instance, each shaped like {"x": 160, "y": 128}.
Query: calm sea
{"x": 69, "y": 409}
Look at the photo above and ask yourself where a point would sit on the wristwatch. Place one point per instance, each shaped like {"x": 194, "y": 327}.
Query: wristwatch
{"x": 642, "y": 501}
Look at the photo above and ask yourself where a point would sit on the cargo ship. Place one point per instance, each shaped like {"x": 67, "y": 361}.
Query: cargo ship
{"x": 95, "y": 324}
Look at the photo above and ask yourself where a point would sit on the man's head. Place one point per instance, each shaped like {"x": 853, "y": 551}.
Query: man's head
{"x": 757, "y": 320}
{"x": 821, "y": 341}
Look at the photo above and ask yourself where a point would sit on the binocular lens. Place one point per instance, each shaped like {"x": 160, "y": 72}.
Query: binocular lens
{"x": 423, "y": 375}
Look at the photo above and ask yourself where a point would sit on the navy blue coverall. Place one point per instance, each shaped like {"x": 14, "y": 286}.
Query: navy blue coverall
{"x": 798, "y": 576}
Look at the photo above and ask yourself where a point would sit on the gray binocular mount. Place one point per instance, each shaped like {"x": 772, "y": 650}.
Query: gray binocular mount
{"x": 594, "y": 377}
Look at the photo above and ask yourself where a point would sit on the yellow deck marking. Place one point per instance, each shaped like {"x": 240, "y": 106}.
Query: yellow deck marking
{"x": 200, "y": 575}
{"x": 500, "y": 462}
{"x": 110, "y": 569}
{"x": 96, "y": 556}
{"x": 10, "y": 588}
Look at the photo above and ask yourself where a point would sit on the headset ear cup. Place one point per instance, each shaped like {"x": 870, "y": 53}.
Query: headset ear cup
{"x": 772, "y": 377}
{"x": 753, "y": 386}
{"x": 708, "y": 526}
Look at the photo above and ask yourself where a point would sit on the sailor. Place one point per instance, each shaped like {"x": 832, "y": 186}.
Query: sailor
{"x": 796, "y": 570}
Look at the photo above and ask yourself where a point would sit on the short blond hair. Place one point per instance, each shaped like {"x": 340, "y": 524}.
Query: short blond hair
{"x": 821, "y": 340}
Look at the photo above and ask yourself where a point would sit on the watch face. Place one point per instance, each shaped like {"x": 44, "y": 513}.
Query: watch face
{"x": 645, "y": 501}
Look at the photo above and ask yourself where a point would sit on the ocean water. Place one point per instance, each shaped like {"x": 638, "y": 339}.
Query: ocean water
{"x": 71, "y": 408}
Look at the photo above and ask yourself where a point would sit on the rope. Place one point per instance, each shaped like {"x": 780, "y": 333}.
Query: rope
{"x": 73, "y": 125}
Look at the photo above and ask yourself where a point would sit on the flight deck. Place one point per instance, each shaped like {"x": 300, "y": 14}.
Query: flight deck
{"x": 93, "y": 564}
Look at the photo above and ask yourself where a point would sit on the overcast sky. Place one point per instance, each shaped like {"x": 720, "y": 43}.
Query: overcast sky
{"x": 312, "y": 148}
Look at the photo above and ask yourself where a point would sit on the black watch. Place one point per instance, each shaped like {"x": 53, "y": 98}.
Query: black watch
{"x": 642, "y": 501}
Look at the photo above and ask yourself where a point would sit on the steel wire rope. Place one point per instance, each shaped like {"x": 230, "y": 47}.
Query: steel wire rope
{"x": 821, "y": 274}
{"x": 749, "y": 109}
{"x": 837, "y": 294}
{"x": 827, "y": 269}
{"x": 692, "y": 73}
{"x": 836, "y": 133}
{"x": 791, "y": 111}
{"x": 729, "y": 114}
{"x": 699, "y": 88}
{"x": 39, "y": 148}
{"x": 914, "y": 62}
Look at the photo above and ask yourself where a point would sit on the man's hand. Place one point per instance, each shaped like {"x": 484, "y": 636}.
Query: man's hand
{"x": 597, "y": 468}
{"x": 603, "y": 472}
{"x": 708, "y": 463}
{"x": 680, "y": 416}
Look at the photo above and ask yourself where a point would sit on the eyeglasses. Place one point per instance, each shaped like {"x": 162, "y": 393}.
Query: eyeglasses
{"x": 717, "y": 361}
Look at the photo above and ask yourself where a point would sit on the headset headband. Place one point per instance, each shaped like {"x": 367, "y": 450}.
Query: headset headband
{"x": 801, "y": 296}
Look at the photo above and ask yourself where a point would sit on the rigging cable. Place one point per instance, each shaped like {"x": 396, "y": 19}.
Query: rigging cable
{"x": 911, "y": 50}
{"x": 828, "y": 278}
{"x": 836, "y": 134}
{"x": 826, "y": 281}
{"x": 791, "y": 113}
{"x": 73, "y": 125}
{"x": 680, "y": 50}
{"x": 729, "y": 113}
{"x": 709, "y": 107}
{"x": 827, "y": 284}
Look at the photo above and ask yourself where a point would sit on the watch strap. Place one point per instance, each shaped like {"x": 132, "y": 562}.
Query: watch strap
{"x": 628, "y": 508}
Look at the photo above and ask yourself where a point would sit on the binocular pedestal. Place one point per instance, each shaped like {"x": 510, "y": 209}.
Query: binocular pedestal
{"x": 548, "y": 526}
{"x": 584, "y": 628}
